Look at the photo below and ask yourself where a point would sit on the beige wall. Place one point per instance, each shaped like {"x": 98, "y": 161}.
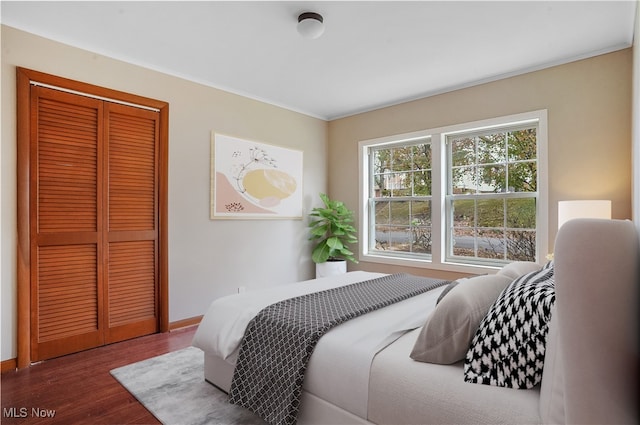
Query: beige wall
{"x": 207, "y": 259}
{"x": 589, "y": 124}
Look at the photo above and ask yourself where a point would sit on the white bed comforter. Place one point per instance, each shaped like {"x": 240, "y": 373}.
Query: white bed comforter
{"x": 338, "y": 371}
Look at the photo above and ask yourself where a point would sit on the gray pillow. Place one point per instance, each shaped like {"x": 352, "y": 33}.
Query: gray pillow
{"x": 519, "y": 268}
{"x": 447, "y": 334}
{"x": 448, "y": 288}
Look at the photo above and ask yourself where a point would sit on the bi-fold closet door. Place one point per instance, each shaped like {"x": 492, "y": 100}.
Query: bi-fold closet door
{"x": 93, "y": 222}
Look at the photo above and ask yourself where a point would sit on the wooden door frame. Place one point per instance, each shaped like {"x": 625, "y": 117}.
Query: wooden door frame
{"x": 25, "y": 78}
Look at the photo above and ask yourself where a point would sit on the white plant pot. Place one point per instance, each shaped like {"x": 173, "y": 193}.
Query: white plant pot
{"x": 331, "y": 268}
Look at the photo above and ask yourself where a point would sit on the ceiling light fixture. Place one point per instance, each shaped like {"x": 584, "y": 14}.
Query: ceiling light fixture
{"x": 310, "y": 25}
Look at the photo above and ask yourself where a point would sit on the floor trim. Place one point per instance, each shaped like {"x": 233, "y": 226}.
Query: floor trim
{"x": 179, "y": 324}
{"x": 7, "y": 365}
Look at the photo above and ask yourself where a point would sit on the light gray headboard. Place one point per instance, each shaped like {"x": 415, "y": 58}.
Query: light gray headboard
{"x": 593, "y": 345}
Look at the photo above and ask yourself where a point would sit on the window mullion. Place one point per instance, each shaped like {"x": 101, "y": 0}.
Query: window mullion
{"x": 438, "y": 192}
{"x": 504, "y": 234}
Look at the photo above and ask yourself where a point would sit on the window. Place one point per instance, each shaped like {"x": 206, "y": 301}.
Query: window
{"x": 456, "y": 198}
{"x": 400, "y": 198}
{"x": 491, "y": 195}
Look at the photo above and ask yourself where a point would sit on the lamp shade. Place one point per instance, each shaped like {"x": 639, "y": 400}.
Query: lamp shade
{"x": 568, "y": 210}
{"x": 310, "y": 25}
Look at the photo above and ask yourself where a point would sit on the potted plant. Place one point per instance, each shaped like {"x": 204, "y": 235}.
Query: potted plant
{"x": 332, "y": 230}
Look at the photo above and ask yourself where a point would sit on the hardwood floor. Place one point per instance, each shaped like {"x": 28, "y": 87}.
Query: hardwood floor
{"x": 79, "y": 389}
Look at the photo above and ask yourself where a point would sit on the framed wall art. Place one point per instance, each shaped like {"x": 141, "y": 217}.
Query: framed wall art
{"x": 254, "y": 180}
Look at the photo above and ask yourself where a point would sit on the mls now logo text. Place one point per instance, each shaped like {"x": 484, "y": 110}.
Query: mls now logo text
{"x": 23, "y": 412}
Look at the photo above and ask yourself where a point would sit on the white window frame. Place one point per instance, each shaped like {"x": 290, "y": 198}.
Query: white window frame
{"x": 438, "y": 135}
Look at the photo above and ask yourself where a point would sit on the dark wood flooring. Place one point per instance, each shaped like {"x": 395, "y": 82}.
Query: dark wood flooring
{"x": 79, "y": 388}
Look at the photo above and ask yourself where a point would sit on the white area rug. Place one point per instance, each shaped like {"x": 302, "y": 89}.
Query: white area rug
{"x": 173, "y": 389}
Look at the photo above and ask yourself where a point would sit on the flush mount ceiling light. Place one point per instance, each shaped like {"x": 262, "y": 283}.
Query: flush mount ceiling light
{"x": 310, "y": 25}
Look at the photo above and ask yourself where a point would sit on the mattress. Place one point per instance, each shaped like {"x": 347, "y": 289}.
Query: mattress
{"x": 403, "y": 391}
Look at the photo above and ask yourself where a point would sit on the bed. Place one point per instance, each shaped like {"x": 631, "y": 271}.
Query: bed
{"x": 335, "y": 386}
{"x": 361, "y": 371}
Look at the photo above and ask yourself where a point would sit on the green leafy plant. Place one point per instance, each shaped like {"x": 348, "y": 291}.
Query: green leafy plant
{"x": 331, "y": 228}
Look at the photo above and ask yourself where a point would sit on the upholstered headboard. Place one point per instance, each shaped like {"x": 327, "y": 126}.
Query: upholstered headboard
{"x": 591, "y": 365}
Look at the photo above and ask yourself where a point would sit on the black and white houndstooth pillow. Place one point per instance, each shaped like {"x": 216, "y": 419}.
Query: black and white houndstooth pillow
{"x": 509, "y": 345}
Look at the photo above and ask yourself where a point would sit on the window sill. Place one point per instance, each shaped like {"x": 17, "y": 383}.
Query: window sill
{"x": 428, "y": 264}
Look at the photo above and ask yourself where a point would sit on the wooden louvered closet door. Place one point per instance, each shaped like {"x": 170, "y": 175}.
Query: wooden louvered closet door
{"x": 93, "y": 222}
{"x": 66, "y": 274}
{"x": 131, "y": 224}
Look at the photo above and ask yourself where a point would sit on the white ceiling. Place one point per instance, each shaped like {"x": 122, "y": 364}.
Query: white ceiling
{"x": 372, "y": 54}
